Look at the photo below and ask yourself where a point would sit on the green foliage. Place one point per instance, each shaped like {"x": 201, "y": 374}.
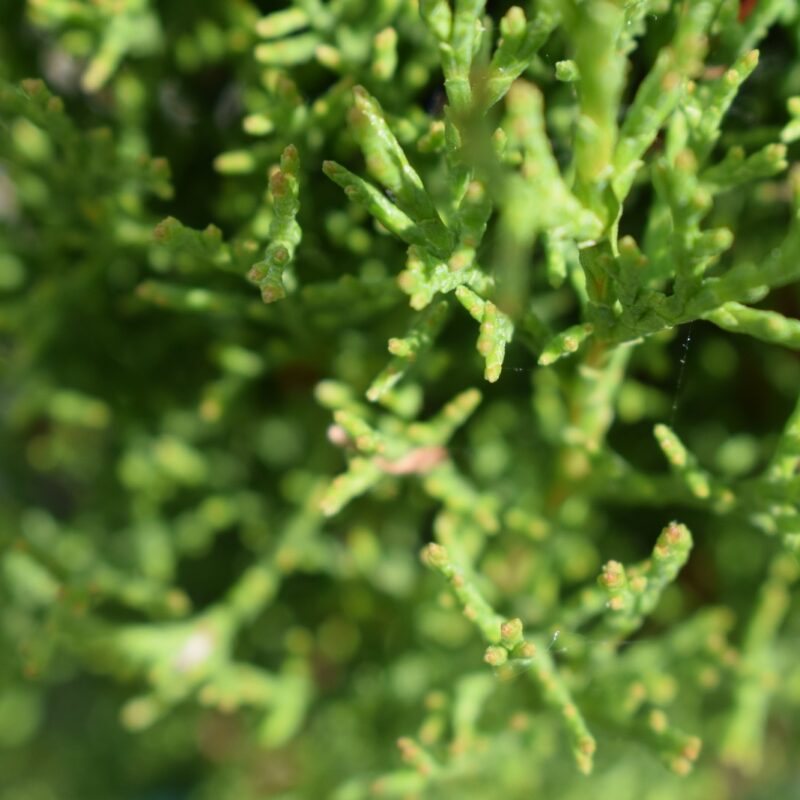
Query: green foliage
{"x": 574, "y": 227}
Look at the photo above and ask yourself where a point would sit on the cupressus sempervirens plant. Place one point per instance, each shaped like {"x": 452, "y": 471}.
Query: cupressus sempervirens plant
{"x": 574, "y": 227}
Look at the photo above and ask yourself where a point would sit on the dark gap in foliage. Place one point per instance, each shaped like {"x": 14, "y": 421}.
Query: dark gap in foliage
{"x": 208, "y": 578}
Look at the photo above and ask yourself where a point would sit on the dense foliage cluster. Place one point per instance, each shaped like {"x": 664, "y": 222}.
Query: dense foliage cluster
{"x": 546, "y": 546}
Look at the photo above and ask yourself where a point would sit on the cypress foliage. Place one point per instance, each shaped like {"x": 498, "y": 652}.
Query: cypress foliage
{"x": 401, "y": 399}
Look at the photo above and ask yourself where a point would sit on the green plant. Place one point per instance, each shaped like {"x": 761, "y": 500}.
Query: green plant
{"x": 216, "y": 483}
